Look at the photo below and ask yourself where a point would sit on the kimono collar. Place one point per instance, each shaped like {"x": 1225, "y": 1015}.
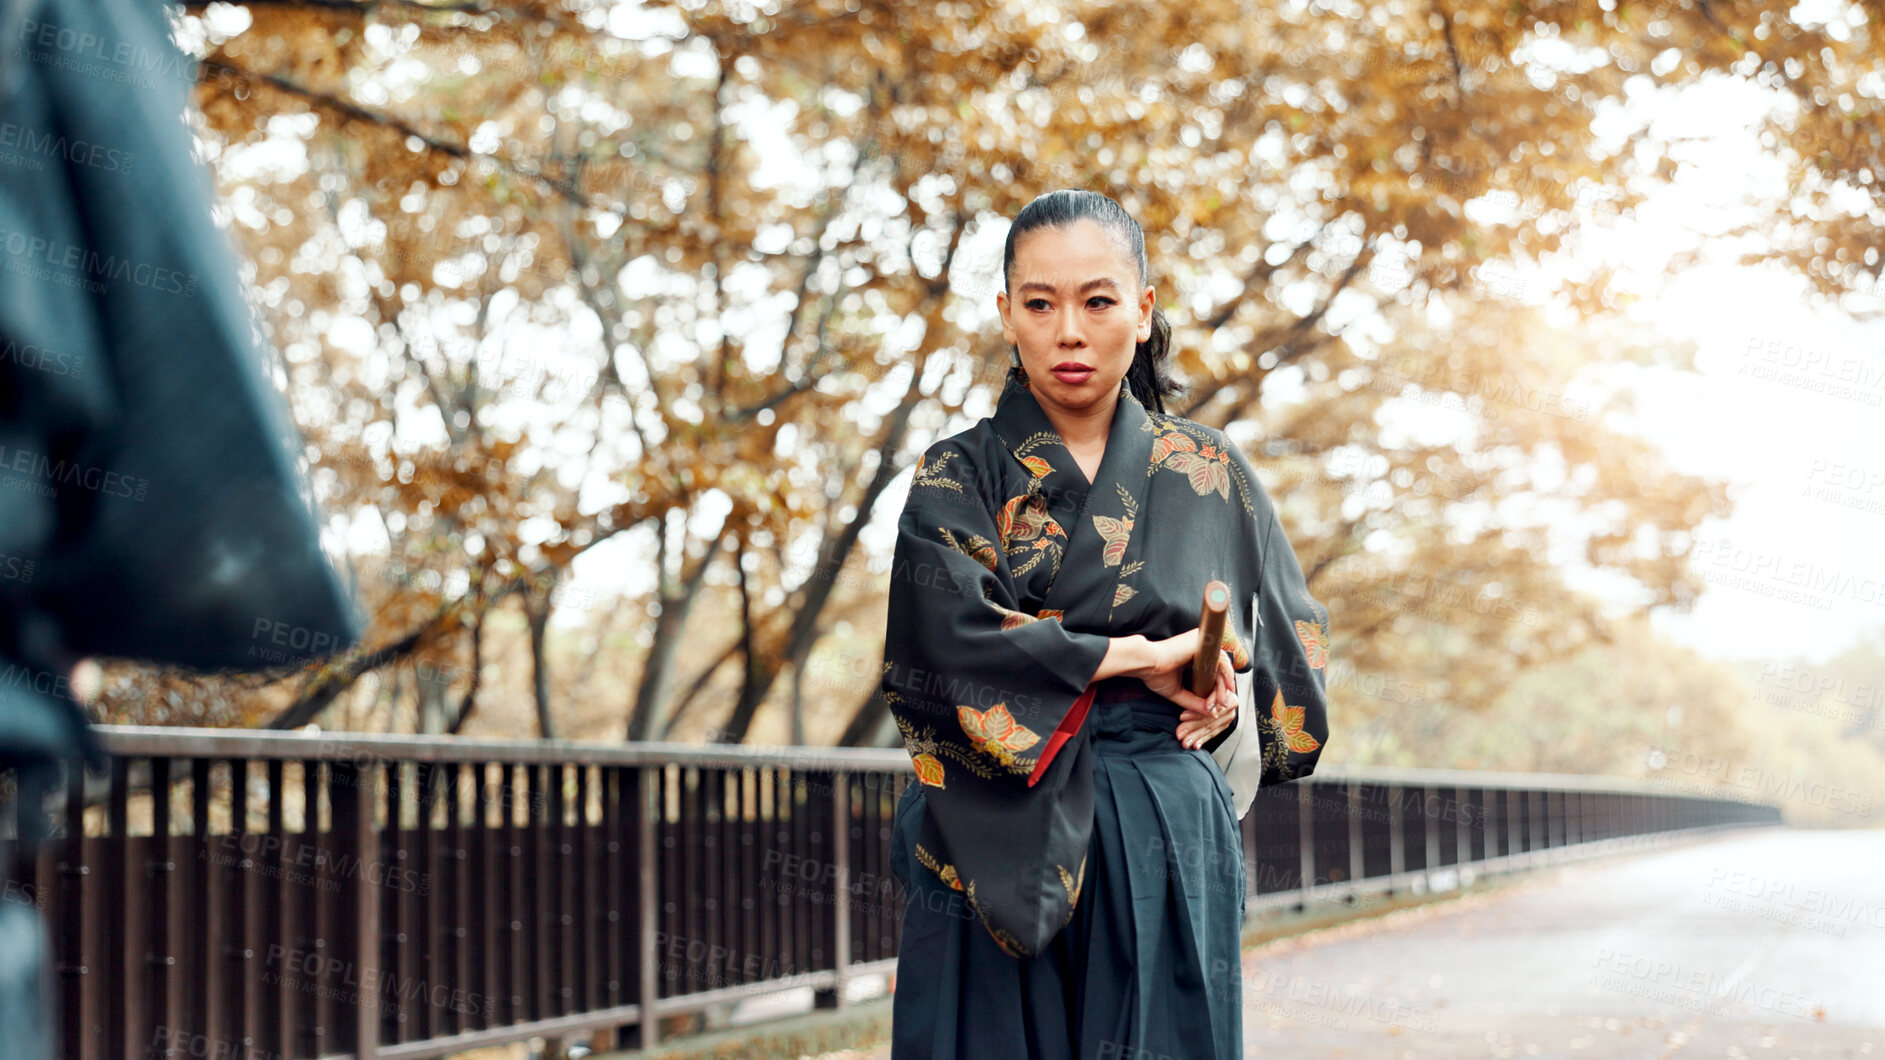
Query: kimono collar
{"x": 1026, "y": 431}
{"x": 1098, "y": 517}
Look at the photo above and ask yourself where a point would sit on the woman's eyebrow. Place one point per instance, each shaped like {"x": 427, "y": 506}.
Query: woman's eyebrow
{"x": 1104, "y": 281}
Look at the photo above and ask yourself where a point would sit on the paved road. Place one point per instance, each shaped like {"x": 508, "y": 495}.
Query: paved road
{"x": 1757, "y": 944}
{"x": 1760, "y": 944}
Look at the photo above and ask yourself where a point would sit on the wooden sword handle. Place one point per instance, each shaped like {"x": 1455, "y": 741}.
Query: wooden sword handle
{"x": 1210, "y": 637}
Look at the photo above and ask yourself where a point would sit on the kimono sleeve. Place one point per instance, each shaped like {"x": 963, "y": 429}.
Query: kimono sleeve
{"x": 979, "y": 688}
{"x": 1286, "y": 687}
{"x": 961, "y": 655}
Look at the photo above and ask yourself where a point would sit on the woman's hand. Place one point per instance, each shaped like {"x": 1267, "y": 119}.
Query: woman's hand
{"x": 1197, "y": 728}
{"x": 1202, "y": 718}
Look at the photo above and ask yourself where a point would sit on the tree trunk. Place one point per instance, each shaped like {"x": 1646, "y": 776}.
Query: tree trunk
{"x": 692, "y": 695}
{"x": 324, "y": 689}
{"x": 470, "y": 702}
{"x": 754, "y": 681}
{"x": 537, "y": 610}
{"x": 867, "y": 724}
{"x": 798, "y": 706}
{"x": 646, "y": 722}
{"x": 805, "y": 624}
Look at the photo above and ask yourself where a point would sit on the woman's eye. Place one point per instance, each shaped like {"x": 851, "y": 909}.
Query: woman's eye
{"x": 1041, "y": 303}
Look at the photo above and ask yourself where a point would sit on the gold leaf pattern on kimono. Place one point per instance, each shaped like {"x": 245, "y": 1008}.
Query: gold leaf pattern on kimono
{"x": 924, "y": 741}
{"x": 1005, "y": 524}
{"x": 1044, "y": 547}
{"x": 1002, "y": 936}
{"x": 1072, "y": 882}
{"x": 1289, "y": 726}
{"x": 1126, "y": 499}
{"x": 1205, "y": 473}
{"x": 941, "y": 868}
{"x": 1037, "y": 466}
{"x": 1012, "y": 619}
{"x": 929, "y": 769}
{"x": 1116, "y": 533}
{"x": 1239, "y": 655}
{"x": 995, "y": 732}
{"x": 1025, "y": 527}
{"x": 1123, "y": 593}
{"x": 932, "y": 474}
{"x": 1025, "y": 518}
{"x": 1315, "y": 643}
{"x": 1188, "y": 437}
{"x": 977, "y": 548}
{"x": 1169, "y": 442}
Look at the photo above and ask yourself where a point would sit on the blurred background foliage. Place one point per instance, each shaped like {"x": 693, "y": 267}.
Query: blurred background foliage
{"x": 613, "y": 328}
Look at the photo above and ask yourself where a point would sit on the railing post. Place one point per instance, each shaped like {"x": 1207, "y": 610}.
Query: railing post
{"x": 1462, "y": 830}
{"x": 653, "y": 784}
{"x": 1306, "y": 836}
{"x": 1514, "y": 827}
{"x": 159, "y": 875}
{"x": 72, "y": 914}
{"x": 841, "y": 894}
{"x": 1397, "y": 834}
{"x": 1431, "y": 815}
{"x": 352, "y": 793}
{"x": 1355, "y": 865}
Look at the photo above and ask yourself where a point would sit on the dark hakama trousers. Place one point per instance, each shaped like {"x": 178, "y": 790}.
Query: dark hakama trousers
{"x": 1148, "y": 968}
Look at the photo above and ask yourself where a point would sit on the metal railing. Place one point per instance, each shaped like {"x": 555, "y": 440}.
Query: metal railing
{"x": 292, "y": 896}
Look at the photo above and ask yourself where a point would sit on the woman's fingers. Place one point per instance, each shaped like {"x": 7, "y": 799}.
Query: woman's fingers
{"x": 1203, "y": 717}
{"x": 1194, "y": 729}
{"x": 1224, "y": 694}
{"x": 1187, "y": 701}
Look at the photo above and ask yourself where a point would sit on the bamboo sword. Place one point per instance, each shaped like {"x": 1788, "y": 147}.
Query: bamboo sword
{"x": 1210, "y": 637}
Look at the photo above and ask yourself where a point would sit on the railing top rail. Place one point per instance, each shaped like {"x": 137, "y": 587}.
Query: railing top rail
{"x": 159, "y": 741}
{"x": 1407, "y": 776}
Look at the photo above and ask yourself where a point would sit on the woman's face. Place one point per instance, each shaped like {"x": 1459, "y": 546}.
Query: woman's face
{"x": 1075, "y": 314}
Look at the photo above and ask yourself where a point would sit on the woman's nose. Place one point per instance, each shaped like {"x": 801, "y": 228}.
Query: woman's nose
{"x": 1069, "y": 326}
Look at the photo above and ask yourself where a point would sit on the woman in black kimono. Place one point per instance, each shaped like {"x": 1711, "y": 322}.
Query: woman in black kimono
{"x": 1071, "y": 855}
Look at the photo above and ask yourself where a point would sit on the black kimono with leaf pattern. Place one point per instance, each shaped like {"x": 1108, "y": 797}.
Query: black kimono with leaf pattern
{"x": 1011, "y": 572}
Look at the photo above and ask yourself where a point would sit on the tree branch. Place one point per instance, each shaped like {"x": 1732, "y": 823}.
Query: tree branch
{"x": 470, "y": 702}
{"x": 356, "y": 112}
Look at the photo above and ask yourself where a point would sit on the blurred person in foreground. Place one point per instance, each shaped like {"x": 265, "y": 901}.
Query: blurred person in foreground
{"x": 1071, "y": 853}
{"x": 151, "y": 505}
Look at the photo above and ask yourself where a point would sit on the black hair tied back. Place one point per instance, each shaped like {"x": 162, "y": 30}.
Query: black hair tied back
{"x": 1149, "y": 377}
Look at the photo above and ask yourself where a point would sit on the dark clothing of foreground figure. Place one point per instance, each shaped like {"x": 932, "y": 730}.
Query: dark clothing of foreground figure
{"x": 1075, "y": 875}
{"x": 150, "y": 501}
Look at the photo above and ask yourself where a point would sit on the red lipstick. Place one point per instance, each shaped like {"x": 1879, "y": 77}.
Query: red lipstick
{"x": 1073, "y": 373}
